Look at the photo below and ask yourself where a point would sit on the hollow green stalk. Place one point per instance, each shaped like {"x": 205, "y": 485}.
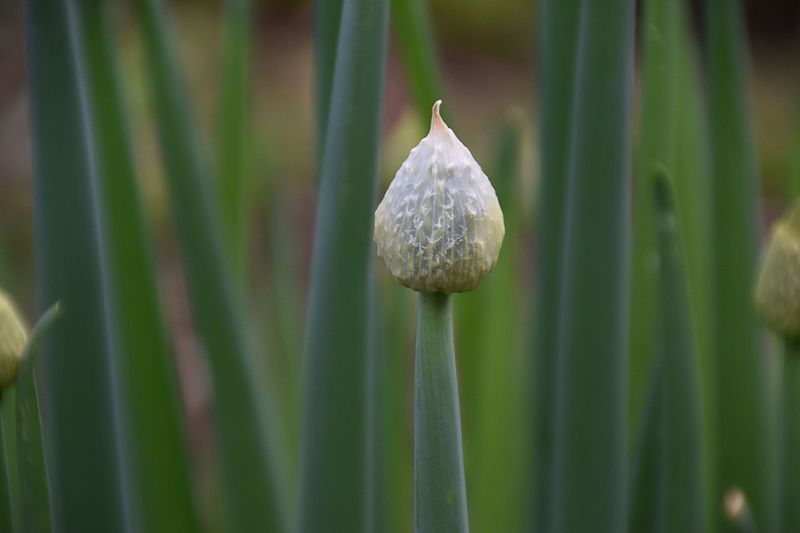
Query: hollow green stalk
{"x": 683, "y": 450}
{"x": 589, "y": 462}
{"x": 5, "y": 481}
{"x": 789, "y": 514}
{"x": 739, "y": 398}
{"x": 558, "y": 31}
{"x": 440, "y": 495}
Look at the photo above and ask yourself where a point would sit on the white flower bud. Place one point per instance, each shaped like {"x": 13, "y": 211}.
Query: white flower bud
{"x": 13, "y": 336}
{"x": 778, "y": 287}
{"x": 439, "y": 227}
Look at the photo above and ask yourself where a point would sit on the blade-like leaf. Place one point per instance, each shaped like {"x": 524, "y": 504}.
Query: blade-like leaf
{"x": 155, "y": 457}
{"x": 414, "y": 34}
{"x": 6, "y": 482}
{"x": 249, "y": 485}
{"x": 34, "y": 483}
{"x": 327, "y": 19}
{"x": 683, "y": 449}
{"x": 789, "y": 460}
{"x": 332, "y": 478}
{"x": 80, "y": 446}
{"x": 646, "y": 512}
{"x": 558, "y": 34}
{"x": 496, "y": 480}
{"x": 656, "y": 149}
{"x": 233, "y": 141}
{"x": 590, "y": 432}
{"x": 739, "y": 398}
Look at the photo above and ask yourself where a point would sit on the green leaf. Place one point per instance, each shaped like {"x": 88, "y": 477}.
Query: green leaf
{"x": 692, "y": 179}
{"x": 440, "y": 497}
{"x": 332, "y": 481}
{"x": 789, "y": 460}
{"x": 155, "y": 457}
{"x": 683, "y": 460}
{"x": 740, "y": 415}
{"x": 233, "y": 140}
{"x": 81, "y": 444}
{"x": 327, "y": 19}
{"x": 397, "y": 418}
{"x": 646, "y": 514}
{"x": 34, "y": 483}
{"x": 558, "y": 31}
{"x": 656, "y": 149}
{"x": 252, "y": 498}
{"x": 6, "y": 479}
{"x": 414, "y": 34}
{"x": 496, "y": 480}
{"x": 590, "y": 456}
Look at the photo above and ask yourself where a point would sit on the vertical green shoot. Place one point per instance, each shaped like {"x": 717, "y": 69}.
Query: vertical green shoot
{"x": 412, "y": 29}
{"x": 739, "y": 399}
{"x": 590, "y": 431}
{"x": 233, "y": 139}
{"x": 35, "y": 516}
{"x": 497, "y": 479}
{"x": 440, "y": 498}
{"x": 81, "y": 446}
{"x": 154, "y": 458}
{"x": 558, "y": 31}
{"x": 5, "y": 478}
{"x": 683, "y": 459}
{"x": 789, "y": 460}
{"x": 252, "y": 498}
{"x": 337, "y": 336}
{"x": 327, "y": 19}
{"x": 656, "y": 149}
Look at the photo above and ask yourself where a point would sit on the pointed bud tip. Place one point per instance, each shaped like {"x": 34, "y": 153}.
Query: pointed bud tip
{"x": 436, "y": 118}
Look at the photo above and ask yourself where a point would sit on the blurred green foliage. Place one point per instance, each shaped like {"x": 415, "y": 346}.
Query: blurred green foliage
{"x": 277, "y": 136}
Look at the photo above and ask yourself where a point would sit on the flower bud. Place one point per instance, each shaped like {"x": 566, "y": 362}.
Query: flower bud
{"x": 13, "y": 336}
{"x": 778, "y": 287}
{"x": 439, "y": 227}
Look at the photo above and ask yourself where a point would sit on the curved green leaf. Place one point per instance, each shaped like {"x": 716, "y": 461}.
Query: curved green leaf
{"x": 337, "y": 335}
{"x": 252, "y": 498}
{"x": 590, "y": 459}
{"x": 81, "y": 444}
{"x": 34, "y": 483}
{"x": 155, "y": 456}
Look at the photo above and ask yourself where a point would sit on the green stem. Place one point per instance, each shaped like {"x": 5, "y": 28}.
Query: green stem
{"x": 440, "y": 491}
{"x": 740, "y": 398}
{"x": 5, "y": 482}
{"x": 789, "y": 515}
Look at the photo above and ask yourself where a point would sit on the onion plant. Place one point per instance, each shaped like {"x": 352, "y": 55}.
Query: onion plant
{"x": 438, "y": 230}
{"x": 644, "y": 328}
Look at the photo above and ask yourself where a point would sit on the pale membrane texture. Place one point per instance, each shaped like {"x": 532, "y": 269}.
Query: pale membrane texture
{"x": 439, "y": 227}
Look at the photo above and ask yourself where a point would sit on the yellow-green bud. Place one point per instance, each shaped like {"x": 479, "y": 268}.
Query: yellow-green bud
{"x": 13, "y": 336}
{"x": 439, "y": 227}
{"x": 778, "y": 287}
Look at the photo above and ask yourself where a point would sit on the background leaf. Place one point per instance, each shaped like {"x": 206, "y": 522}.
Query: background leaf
{"x": 337, "y": 335}
{"x": 155, "y": 461}
{"x": 253, "y": 501}
{"x": 740, "y": 401}
{"x": 78, "y": 408}
{"x": 590, "y": 431}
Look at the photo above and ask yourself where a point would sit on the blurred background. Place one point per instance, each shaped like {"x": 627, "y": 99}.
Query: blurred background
{"x": 488, "y": 59}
